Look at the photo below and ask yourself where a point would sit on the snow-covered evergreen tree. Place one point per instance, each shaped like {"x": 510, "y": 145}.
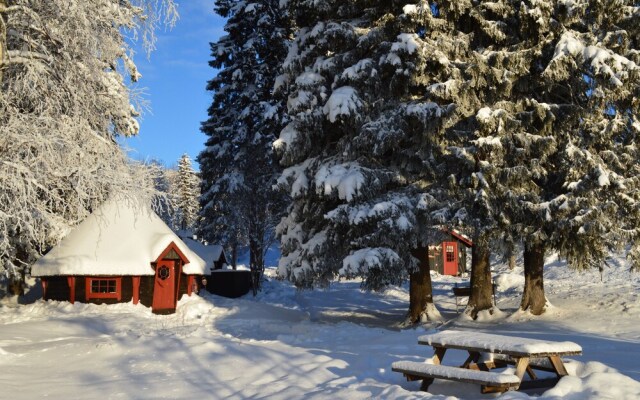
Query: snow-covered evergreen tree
{"x": 485, "y": 114}
{"x": 551, "y": 135}
{"x": 238, "y": 169}
{"x": 546, "y": 97}
{"x": 360, "y": 147}
{"x": 186, "y": 188}
{"x": 164, "y": 204}
{"x": 64, "y": 96}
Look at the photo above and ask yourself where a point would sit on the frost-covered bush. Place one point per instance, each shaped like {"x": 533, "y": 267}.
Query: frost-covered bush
{"x": 65, "y": 69}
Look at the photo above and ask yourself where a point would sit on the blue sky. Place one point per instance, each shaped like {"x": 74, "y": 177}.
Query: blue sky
{"x": 174, "y": 79}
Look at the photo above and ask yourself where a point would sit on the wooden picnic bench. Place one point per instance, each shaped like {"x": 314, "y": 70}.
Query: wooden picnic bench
{"x": 526, "y": 354}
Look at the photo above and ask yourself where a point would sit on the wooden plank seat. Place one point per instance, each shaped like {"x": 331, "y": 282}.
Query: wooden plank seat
{"x": 490, "y": 381}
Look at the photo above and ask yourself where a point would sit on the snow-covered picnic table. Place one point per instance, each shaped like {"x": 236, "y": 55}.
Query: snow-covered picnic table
{"x": 499, "y": 350}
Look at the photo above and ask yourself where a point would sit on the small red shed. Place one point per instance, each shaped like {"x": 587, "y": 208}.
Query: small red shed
{"x": 122, "y": 252}
{"x": 450, "y": 256}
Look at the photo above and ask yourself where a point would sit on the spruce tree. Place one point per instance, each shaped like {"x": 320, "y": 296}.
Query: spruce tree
{"x": 239, "y": 203}
{"x": 360, "y": 149}
{"x": 187, "y": 191}
{"x": 483, "y": 115}
{"x": 547, "y": 137}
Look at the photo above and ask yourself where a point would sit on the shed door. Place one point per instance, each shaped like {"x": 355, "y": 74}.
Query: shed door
{"x": 164, "y": 290}
{"x": 450, "y": 258}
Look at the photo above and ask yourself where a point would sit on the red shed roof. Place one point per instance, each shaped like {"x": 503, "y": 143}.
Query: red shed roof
{"x": 464, "y": 239}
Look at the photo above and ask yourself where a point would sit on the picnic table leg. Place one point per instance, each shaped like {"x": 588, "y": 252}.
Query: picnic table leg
{"x": 438, "y": 355}
{"x": 426, "y": 382}
{"x": 530, "y": 372}
{"x": 474, "y": 356}
{"x": 522, "y": 364}
{"x": 472, "y": 363}
{"x": 558, "y": 366}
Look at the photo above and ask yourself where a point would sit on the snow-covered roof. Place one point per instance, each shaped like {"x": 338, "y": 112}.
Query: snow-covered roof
{"x": 461, "y": 237}
{"x": 209, "y": 253}
{"x": 119, "y": 238}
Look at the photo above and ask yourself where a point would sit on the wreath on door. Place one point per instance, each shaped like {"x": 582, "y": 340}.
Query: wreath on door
{"x": 164, "y": 272}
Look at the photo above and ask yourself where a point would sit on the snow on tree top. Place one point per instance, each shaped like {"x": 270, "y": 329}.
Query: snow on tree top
{"x": 360, "y": 68}
{"x": 366, "y": 259}
{"x": 407, "y": 42}
{"x": 604, "y": 61}
{"x": 343, "y": 101}
{"x": 412, "y": 9}
{"x": 603, "y": 176}
{"x": 347, "y": 178}
{"x": 309, "y": 79}
{"x": 499, "y": 343}
{"x": 119, "y": 238}
{"x": 287, "y": 136}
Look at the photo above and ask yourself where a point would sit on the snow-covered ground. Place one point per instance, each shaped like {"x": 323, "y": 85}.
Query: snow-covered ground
{"x": 333, "y": 344}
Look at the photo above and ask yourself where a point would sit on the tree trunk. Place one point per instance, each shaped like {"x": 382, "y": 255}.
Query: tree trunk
{"x": 533, "y": 298}
{"x": 420, "y": 291}
{"x": 16, "y": 286}
{"x": 234, "y": 256}
{"x": 511, "y": 254}
{"x": 481, "y": 284}
{"x": 16, "y": 282}
{"x": 255, "y": 255}
{"x": 256, "y": 237}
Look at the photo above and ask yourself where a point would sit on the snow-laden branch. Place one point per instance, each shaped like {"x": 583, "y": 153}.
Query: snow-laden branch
{"x": 24, "y": 57}
{"x": 20, "y": 8}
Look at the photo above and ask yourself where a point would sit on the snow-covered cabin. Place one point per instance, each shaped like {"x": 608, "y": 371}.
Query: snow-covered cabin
{"x": 212, "y": 254}
{"x": 450, "y": 256}
{"x": 122, "y": 252}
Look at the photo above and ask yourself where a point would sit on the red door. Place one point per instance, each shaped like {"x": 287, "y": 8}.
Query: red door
{"x": 450, "y": 258}
{"x": 164, "y": 290}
